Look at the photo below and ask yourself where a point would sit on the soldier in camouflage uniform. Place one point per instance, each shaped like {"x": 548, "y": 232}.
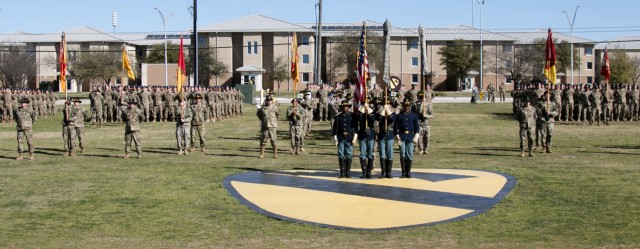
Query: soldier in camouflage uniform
{"x": 634, "y": 97}
{"x": 65, "y": 127}
{"x": 501, "y": 89}
{"x": 42, "y": 104}
{"x": 210, "y": 98}
{"x": 546, "y": 114}
{"x": 620, "y": 96}
{"x": 527, "y": 121}
{"x": 607, "y": 104}
{"x": 568, "y": 100}
{"x": 77, "y": 115}
{"x": 97, "y": 102}
{"x": 268, "y": 115}
{"x": 157, "y": 99}
{"x": 145, "y": 100}
{"x": 24, "y": 117}
{"x": 200, "y": 115}
{"x": 52, "y": 102}
{"x": 183, "y": 117}
{"x": 323, "y": 103}
{"x": 424, "y": 110}
{"x": 557, "y": 99}
{"x": 132, "y": 116}
{"x": 169, "y": 105}
{"x": 7, "y": 112}
{"x": 295, "y": 115}
{"x": 595, "y": 99}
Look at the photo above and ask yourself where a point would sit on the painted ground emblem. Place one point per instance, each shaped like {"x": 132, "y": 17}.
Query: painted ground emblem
{"x": 432, "y": 196}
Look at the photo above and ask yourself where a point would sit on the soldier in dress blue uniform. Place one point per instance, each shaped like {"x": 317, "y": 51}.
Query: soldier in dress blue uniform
{"x": 365, "y": 120}
{"x": 386, "y": 118}
{"x": 407, "y": 130}
{"x": 344, "y": 136}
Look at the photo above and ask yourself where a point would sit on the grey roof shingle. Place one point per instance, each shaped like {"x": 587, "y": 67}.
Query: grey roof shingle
{"x": 622, "y": 42}
{"x": 254, "y": 23}
{"x": 532, "y": 36}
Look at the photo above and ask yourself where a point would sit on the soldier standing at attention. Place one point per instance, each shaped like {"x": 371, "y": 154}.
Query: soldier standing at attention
{"x": 158, "y": 104}
{"x": 199, "y": 118}
{"x": 132, "y": 116}
{"x": 145, "y": 99}
{"x": 547, "y": 112}
{"x": 96, "y": 106}
{"x": 407, "y": 130}
{"x": 7, "y": 111}
{"x": 65, "y": 127}
{"x": 567, "y": 99}
{"x": 170, "y": 105}
{"x": 323, "y": 102}
{"x": 492, "y": 93}
{"x": 595, "y": 99}
{"x": 365, "y": 125}
{"x": 344, "y": 137}
{"x": 25, "y": 118}
{"x": 386, "y": 119}
{"x": 502, "y": 91}
{"x": 268, "y": 115}
{"x": 183, "y": 117}
{"x": 557, "y": 99}
{"x": 585, "y": 104}
{"x": 424, "y": 110}
{"x": 607, "y": 104}
{"x": 295, "y": 115}
{"x": 77, "y": 115}
{"x": 527, "y": 121}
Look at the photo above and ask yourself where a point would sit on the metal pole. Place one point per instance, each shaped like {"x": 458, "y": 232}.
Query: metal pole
{"x": 571, "y": 22}
{"x": 481, "y": 2}
{"x": 195, "y": 36}
{"x": 164, "y": 26}
{"x": 318, "y": 77}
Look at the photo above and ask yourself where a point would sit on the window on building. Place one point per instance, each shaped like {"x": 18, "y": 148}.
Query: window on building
{"x": 589, "y": 80}
{"x": 305, "y": 40}
{"x": 248, "y": 47}
{"x": 414, "y": 78}
{"x": 305, "y": 59}
{"x": 508, "y": 64}
{"x": 509, "y": 80}
{"x": 413, "y": 44}
{"x": 255, "y": 47}
{"x": 588, "y": 51}
{"x": 305, "y": 77}
{"x": 414, "y": 61}
{"x": 507, "y": 48}
{"x": 589, "y": 65}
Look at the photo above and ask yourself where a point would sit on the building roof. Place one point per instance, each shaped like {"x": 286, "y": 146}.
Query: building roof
{"x": 541, "y": 34}
{"x": 255, "y": 23}
{"x": 621, "y": 42}
{"x": 338, "y": 29}
{"x": 88, "y": 34}
{"x": 463, "y": 32}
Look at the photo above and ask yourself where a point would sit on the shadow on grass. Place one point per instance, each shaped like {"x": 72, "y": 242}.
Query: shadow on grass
{"x": 504, "y": 115}
{"x": 497, "y": 149}
{"x": 230, "y": 155}
{"x": 609, "y": 152}
{"x": 620, "y": 147}
{"x": 482, "y": 154}
{"x": 241, "y": 138}
{"x": 9, "y": 157}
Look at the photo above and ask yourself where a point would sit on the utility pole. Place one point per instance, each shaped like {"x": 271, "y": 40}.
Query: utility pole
{"x": 571, "y": 22}
{"x": 164, "y": 25}
{"x": 481, "y": 3}
{"x": 318, "y": 69}
{"x": 195, "y": 46}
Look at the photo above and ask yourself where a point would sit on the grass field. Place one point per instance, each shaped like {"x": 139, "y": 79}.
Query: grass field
{"x": 584, "y": 195}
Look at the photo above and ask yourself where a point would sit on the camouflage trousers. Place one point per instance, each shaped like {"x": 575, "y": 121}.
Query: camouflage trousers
{"x": 183, "y": 136}
{"x": 132, "y": 136}
{"x": 423, "y": 137}
{"x": 595, "y": 114}
{"x": 268, "y": 134}
{"x": 96, "y": 114}
{"x": 52, "y": 109}
{"x": 526, "y": 134}
{"x": 73, "y": 133}
{"x": 586, "y": 112}
{"x": 621, "y": 111}
{"x": 25, "y": 135}
{"x": 296, "y": 135}
{"x": 65, "y": 137}
{"x": 146, "y": 111}
{"x": 607, "y": 113}
{"x": 323, "y": 111}
{"x": 212, "y": 112}
{"x": 156, "y": 113}
{"x": 546, "y": 133}
{"x": 568, "y": 108}
{"x": 42, "y": 110}
{"x": 169, "y": 110}
{"x": 200, "y": 131}
{"x": 7, "y": 113}
{"x": 633, "y": 109}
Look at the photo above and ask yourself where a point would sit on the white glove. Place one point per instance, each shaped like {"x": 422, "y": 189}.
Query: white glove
{"x": 355, "y": 138}
{"x": 335, "y": 141}
{"x": 415, "y": 138}
{"x": 399, "y": 141}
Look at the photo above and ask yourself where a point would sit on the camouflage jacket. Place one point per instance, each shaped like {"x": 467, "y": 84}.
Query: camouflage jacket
{"x": 132, "y": 118}
{"x": 268, "y": 116}
{"x": 77, "y": 115}
{"x": 24, "y": 118}
{"x": 527, "y": 117}
{"x": 183, "y": 116}
{"x": 157, "y": 98}
{"x": 295, "y": 115}
{"x": 200, "y": 114}
{"x": 547, "y": 111}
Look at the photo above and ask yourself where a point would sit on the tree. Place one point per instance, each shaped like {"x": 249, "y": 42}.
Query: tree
{"x": 460, "y": 57}
{"x": 16, "y": 67}
{"x": 208, "y": 65}
{"x": 622, "y": 67}
{"x": 99, "y": 64}
{"x": 563, "y": 53}
{"x": 279, "y": 70}
{"x": 347, "y": 45}
{"x": 156, "y": 54}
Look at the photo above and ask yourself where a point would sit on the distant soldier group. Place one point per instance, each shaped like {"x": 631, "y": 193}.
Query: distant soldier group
{"x": 41, "y": 102}
{"x": 159, "y": 103}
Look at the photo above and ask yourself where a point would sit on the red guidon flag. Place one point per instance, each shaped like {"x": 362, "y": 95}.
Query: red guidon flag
{"x": 295, "y": 75}
{"x": 550, "y": 59}
{"x": 63, "y": 64}
{"x": 182, "y": 72}
{"x": 606, "y": 67}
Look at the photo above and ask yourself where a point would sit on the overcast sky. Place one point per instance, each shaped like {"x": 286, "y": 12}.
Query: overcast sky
{"x": 596, "y": 20}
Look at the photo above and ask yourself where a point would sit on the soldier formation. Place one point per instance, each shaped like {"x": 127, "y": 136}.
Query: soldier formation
{"x": 41, "y": 102}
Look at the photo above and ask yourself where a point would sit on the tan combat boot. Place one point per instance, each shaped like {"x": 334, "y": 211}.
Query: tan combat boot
{"x": 81, "y": 150}
{"x": 548, "y": 150}
{"x": 66, "y": 153}
{"x": 426, "y": 152}
{"x": 275, "y": 151}
{"x": 202, "y": 149}
{"x": 19, "y": 157}
{"x": 181, "y": 152}
{"x": 72, "y": 153}
{"x": 126, "y": 156}
{"x": 531, "y": 154}
{"x": 31, "y": 156}
{"x": 522, "y": 153}
{"x": 261, "y": 151}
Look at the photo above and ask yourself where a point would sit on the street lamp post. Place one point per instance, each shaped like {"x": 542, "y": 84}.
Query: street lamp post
{"x": 481, "y": 3}
{"x": 571, "y": 22}
{"x": 164, "y": 26}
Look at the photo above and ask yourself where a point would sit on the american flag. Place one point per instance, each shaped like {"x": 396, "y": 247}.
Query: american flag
{"x": 362, "y": 70}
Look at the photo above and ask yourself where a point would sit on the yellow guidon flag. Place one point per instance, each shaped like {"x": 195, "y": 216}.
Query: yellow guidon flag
{"x": 550, "y": 59}
{"x": 182, "y": 72}
{"x": 294, "y": 63}
{"x": 126, "y": 65}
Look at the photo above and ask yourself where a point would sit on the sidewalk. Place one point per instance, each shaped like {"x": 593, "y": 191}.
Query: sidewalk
{"x": 435, "y": 100}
